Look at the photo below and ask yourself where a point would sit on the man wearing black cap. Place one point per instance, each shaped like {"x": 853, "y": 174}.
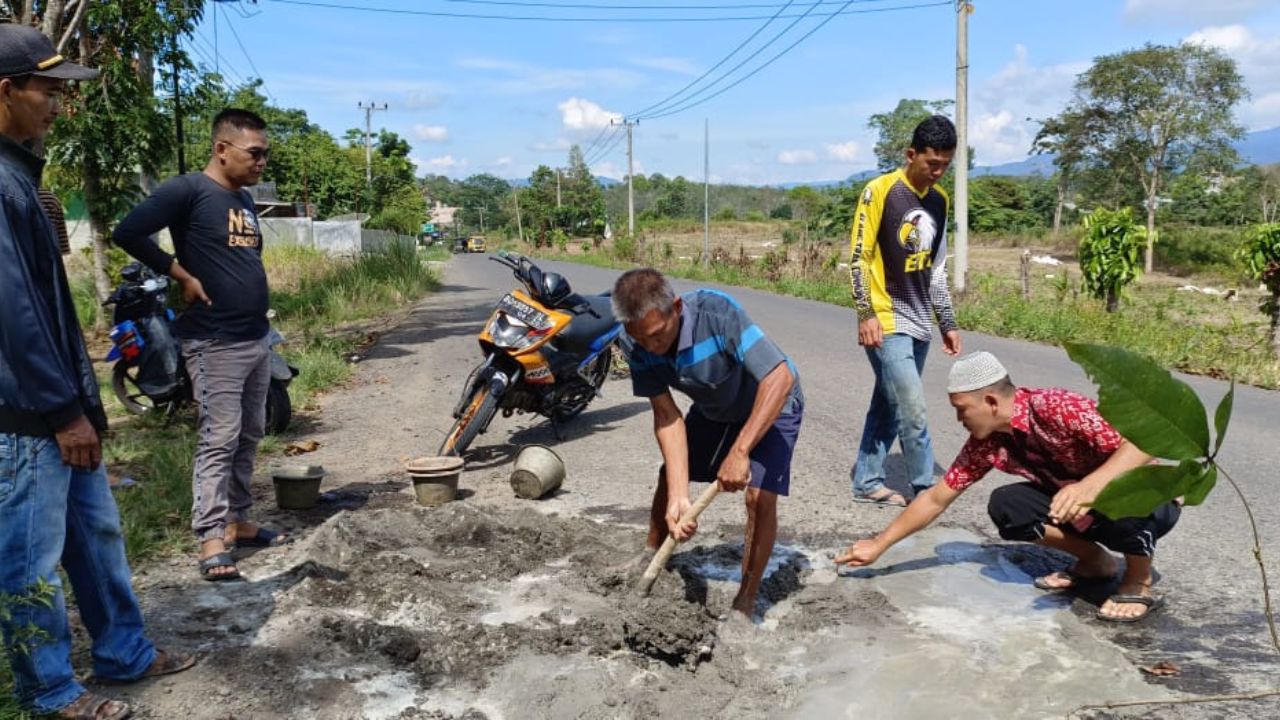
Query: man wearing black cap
{"x": 54, "y": 497}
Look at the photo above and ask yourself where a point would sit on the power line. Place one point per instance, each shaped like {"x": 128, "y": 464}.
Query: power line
{"x": 686, "y": 106}
{"x": 550, "y": 18}
{"x": 724, "y": 60}
{"x": 236, "y": 35}
{"x": 598, "y": 6}
{"x": 735, "y": 68}
{"x": 595, "y": 142}
{"x": 608, "y": 147}
{"x": 213, "y": 59}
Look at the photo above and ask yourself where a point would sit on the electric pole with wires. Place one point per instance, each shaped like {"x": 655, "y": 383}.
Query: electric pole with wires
{"x": 631, "y": 200}
{"x": 963, "y": 9}
{"x": 369, "y": 109}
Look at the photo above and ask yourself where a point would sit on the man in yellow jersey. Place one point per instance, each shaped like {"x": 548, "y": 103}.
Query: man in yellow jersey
{"x": 899, "y": 278}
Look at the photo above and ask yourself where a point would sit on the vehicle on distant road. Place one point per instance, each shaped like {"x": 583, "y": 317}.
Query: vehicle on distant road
{"x": 476, "y": 243}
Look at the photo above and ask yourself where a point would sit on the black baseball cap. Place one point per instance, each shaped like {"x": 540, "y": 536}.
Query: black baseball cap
{"x": 26, "y": 51}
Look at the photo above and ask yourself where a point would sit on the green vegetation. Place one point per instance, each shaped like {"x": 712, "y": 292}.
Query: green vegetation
{"x": 1179, "y": 330}
{"x": 1110, "y": 254}
{"x": 1261, "y": 257}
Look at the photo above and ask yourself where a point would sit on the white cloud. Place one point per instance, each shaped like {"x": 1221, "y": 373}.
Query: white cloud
{"x": 797, "y": 157}
{"x": 999, "y": 129}
{"x": 423, "y": 99}
{"x": 1191, "y": 10}
{"x": 431, "y": 133}
{"x": 846, "y": 152}
{"x": 524, "y": 78}
{"x": 679, "y": 66}
{"x": 1257, "y": 57}
{"x": 442, "y": 164}
{"x": 615, "y": 170}
{"x": 557, "y": 145}
{"x": 504, "y": 161}
{"x": 579, "y": 114}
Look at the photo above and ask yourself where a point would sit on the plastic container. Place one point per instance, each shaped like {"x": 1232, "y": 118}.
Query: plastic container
{"x": 538, "y": 472}
{"x": 297, "y": 486}
{"x": 435, "y": 479}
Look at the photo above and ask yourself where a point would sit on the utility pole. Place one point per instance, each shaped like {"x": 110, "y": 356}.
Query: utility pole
{"x": 631, "y": 200}
{"x": 369, "y": 109}
{"x": 515, "y": 192}
{"x": 963, "y": 9}
{"x": 557, "y": 188}
{"x": 481, "y": 210}
{"x": 706, "y": 191}
{"x": 177, "y": 114}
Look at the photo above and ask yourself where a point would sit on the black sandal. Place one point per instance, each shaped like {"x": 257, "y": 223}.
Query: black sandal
{"x": 218, "y": 560}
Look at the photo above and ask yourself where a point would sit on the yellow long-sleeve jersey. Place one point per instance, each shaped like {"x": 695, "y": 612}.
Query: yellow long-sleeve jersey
{"x": 898, "y": 262}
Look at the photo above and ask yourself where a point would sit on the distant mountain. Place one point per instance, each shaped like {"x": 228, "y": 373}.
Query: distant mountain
{"x": 1261, "y": 147}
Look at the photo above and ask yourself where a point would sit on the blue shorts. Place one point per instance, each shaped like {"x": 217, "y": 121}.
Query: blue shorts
{"x": 710, "y": 441}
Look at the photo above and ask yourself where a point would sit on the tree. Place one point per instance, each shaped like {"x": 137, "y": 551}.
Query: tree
{"x": 582, "y": 202}
{"x": 894, "y": 128}
{"x": 1066, "y": 138}
{"x": 1261, "y": 257}
{"x": 113, "y": 126}
{"x": 1000, "y": 204}
{"x": 1110, "y": 254}
{"x": 807, "y": 204}
{"x": 1147, "y": 111}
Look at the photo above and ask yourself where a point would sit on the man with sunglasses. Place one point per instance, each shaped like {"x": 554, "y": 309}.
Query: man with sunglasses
{"x": 223, "y": 330}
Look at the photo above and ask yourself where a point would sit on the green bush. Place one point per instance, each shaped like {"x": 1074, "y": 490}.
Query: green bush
{"x": 1188, "y": 250}
{"x": 754, "y": 216}
{"x": 1111, "y": 253}
{"x": 726, "y": 214}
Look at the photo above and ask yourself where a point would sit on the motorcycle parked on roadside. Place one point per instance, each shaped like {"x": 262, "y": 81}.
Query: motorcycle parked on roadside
{"x": 149, "y": 375}
{"x": 547, "y": 351}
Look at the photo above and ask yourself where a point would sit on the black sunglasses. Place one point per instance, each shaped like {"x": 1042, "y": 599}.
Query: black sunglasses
{"x": 256, "y": 153}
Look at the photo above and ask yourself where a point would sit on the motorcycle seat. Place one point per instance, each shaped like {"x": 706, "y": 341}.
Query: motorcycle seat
{"x": 592, "y": 317}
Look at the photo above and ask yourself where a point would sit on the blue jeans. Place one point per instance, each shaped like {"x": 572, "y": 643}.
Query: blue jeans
{"x": 53, "y": 514}
{"x": 897, "y": 411}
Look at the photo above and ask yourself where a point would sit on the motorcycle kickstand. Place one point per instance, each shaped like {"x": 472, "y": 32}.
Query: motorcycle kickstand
{"x": 555, "y": 428}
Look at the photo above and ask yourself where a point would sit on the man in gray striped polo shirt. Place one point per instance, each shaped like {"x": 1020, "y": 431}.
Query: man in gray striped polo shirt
{"x": 744, "y": 421}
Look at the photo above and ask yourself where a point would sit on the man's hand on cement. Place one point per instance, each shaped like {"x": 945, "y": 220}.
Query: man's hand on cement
{"x": 862, "y": 552}
{"x": 735, "y": 472}
{"x": 1069, "y": 503}
{"x": 676, "y": 509}
{"x": 951, "y": 343}
{"x": 870, "y": 332}
{"x": 79, "y": 444}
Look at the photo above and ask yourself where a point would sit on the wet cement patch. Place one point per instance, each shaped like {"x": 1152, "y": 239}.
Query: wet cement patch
{"x": 468, "y": 611}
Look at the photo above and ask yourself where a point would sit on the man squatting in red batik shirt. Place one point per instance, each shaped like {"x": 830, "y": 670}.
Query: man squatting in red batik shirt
{"x": 1059, "y": 442}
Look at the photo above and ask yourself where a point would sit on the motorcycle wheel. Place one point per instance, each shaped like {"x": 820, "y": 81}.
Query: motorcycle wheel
{"x": 279, "y": 408}
{"x": 599, "y": 372}
{"x": 124, "y": 383}
{"x": 474, "y": 419}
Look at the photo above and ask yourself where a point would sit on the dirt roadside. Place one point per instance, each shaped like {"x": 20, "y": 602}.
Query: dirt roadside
{"x": 495, "y": 607}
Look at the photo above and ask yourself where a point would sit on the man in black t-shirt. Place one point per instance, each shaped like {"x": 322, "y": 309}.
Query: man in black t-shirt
{"x": 224, "y": 328}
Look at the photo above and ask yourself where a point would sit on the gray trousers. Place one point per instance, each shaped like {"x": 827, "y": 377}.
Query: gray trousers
{"x": 229, "y": 381}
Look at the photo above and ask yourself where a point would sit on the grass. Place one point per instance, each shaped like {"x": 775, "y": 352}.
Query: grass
{"x": 1180, "y": 330}
{"x": 322, "y": 306}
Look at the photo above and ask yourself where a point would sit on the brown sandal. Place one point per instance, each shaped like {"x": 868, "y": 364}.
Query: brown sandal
{"x": 93, "y": 707}
{"x": 167, "y": 662}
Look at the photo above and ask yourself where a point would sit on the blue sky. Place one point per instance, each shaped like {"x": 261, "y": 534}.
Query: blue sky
{"x": 503, "y": 96}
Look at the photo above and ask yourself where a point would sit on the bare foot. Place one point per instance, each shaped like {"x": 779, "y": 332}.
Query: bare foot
{"x": 1102, "y": 569}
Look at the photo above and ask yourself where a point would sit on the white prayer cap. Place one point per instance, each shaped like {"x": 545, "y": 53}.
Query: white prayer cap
{"x": 974, "y": 372}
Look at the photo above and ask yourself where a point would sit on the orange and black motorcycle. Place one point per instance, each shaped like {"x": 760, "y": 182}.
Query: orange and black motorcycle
{"x": 547, "y": 351}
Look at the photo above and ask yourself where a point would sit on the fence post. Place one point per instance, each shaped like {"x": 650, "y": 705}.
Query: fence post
{"x": 1026, "y": 274}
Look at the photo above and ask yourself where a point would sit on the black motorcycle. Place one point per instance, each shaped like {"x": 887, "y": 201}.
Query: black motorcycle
{"x": 149, "y": 375}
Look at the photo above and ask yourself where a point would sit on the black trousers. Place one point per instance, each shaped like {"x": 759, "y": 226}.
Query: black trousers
{"x": 1021, "y": 510}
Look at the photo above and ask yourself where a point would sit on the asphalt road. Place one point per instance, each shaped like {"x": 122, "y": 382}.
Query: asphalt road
{"x": 1212, "y": 624}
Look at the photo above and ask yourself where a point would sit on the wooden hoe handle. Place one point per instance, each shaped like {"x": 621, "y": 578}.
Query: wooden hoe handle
{"x": 669, "y": 545}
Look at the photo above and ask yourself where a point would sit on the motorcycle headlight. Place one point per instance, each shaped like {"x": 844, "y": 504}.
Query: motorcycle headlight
{"x": 509, "y": 332}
